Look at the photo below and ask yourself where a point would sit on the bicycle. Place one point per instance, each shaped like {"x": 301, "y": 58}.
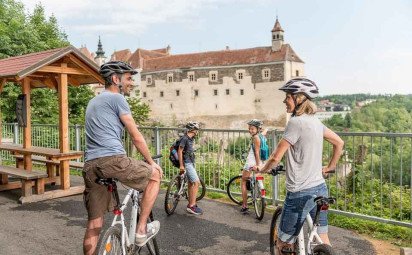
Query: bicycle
{"x": 314, "y": 244}
{"x": 257, "y": 192}
{"x": 177, "y": 189}
{"x": 117, "y": 239}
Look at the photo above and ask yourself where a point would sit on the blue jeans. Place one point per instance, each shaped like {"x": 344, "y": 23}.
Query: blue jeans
{"x": 191, "y": 172}
{"x": 297, "y": 205}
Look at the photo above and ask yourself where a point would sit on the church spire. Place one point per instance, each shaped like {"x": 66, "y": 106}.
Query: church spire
{"x": 277, "y": 36}
{"x": 100, "y": 58}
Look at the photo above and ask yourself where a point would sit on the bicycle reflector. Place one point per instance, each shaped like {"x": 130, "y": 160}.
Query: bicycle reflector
{"x": 263, "y": 192}
{"x": 117, "y": 211}
{"x": 324, "y": 207}
{"x": 259, "y": 178}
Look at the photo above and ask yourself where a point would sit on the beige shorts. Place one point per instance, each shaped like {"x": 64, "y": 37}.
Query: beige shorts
{"x": 129, "y": 171}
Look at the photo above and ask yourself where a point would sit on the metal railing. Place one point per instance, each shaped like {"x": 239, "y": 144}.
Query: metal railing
{"x": 373, "y": 177}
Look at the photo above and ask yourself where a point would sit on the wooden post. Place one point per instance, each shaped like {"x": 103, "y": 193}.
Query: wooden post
{"x": 27, "y": 129}
{"x": 64, "y": 128}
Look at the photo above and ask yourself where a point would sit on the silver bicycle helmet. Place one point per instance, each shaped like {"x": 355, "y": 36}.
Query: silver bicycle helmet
{"x": 192, "y": 125}
{"x": 301, "y": 85}
{"x": 256, "y": 123}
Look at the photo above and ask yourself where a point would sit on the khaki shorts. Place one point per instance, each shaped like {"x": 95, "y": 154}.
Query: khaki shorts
{"x": 129, "y": 171}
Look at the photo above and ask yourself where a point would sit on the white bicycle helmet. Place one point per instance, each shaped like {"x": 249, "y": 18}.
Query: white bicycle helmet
{"x": 192, "y": 125}
{"x": 256, "y": 123}
{"x": 301, "y": 85}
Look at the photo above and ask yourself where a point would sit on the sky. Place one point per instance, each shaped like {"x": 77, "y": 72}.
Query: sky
{"x": 348, "y": 46}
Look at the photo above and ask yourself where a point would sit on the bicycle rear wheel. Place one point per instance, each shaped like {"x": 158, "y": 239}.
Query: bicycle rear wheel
{"x": 259, "y": 203}
{"x": 172, "y": 195}
{"x": 111, "y": 242}
{"x": 234, "y": 190}
{"x": 202, "y": 190}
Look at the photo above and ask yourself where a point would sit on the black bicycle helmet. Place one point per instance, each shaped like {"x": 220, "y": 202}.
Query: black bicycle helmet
{"x": 115, "y": 67}
{"x": 256, "y": 123}
{"x": 301, "y": 85}
{"x": 192, "y": 125}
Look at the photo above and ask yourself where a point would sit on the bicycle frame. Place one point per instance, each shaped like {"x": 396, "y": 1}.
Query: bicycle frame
{"x": 312, "y": 235}
{"x": 126, "y": 237}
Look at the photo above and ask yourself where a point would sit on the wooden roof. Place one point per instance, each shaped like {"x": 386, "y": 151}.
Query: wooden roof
{"x": 43, "y": 67}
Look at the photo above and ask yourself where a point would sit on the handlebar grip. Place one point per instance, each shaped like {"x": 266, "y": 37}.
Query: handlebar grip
{"x": 157, "y": 156}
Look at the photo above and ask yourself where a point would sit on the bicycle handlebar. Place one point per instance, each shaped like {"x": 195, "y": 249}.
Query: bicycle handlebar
{"x": 275, "y": 171}
{"x": 156, "y": 156}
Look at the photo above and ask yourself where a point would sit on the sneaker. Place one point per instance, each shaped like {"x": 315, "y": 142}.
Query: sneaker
{"x": 194, "y": 210}
{"x": 244, "y": 210}
{"x": 152, "y": 229}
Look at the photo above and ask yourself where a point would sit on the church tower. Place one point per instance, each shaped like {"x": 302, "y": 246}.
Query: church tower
{"x": 277, "y": 36}
{"x": 100, "y": 58}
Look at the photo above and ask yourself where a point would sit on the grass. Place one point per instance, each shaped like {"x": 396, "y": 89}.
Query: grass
{"x": 400, "y": 236}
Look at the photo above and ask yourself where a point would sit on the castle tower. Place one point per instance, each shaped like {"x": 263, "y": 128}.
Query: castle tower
{"x": 277, "y": 36}
{"x": 100, "y": 58}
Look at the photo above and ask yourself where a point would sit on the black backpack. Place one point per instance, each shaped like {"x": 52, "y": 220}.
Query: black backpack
{"x": 173, "y": 155}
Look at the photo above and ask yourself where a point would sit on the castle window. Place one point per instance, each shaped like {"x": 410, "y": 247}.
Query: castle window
{"x": 144, "y": 94}
{"x": 266, "y": 73}
{"x": 191, "y": 76}
{"x": 227, "y": 91}
{"x": 213, "y": 75}
{"x": 215, "y": 92}
{"x": 297, "y": 72}
{"x": 177, "y": 93}
{"x": 242, "y": 92}
{"x": 240, "y": 74}
{"x": 169, "y": 78}
{"x": 171, "y": 106}
{"x": 196, "y": 93}
{"x": 161, "y": 93}
{"x": 148, "y": 80}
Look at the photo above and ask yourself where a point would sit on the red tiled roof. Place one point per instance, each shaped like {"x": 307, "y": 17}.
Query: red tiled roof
{"x": 221, "y": 58}
{"x": 13, "y": 65}
{"x": 24, "y": 65}
{"x": 121, "y": 55}
{"x": 87, "y": 53}
{"x": 164, "y": 50}
{"x": 136, "y": 59}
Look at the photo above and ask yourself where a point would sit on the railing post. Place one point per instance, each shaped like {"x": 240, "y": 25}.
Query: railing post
{"x": 157, "y": 143}
{"x": 77, "y": 136}
{"x": 275, "y": 186}
{"x": 16, "y": 133}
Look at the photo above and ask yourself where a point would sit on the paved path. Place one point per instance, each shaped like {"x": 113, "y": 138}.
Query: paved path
{"x": 57, "y": 227}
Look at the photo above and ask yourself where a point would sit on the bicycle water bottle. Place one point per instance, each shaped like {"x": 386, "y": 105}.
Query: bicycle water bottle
{"x": 175, "y": 155}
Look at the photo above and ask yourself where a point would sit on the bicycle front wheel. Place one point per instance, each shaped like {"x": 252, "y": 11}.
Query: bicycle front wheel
{"x": 323, "y": 249}
{"x": 234, "y": 190}
{"x": 202, "y": 190}
{"x": 172, "y": 195}
{"x": 274, "y": 226}
{"x": 111, "y": 242}
{"x": 259, "y": 203}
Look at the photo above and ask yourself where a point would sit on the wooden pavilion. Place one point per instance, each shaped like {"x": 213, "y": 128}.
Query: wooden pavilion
{"x": 55, "y": 69}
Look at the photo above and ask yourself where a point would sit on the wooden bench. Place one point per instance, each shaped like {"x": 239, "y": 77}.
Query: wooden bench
{"x": 73, "y": 164}
{"x": 26, "y": 180}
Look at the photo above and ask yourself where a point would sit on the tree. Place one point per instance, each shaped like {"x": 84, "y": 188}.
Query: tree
{"x": 22, "y": 34}
{"x": 140, "y": 111}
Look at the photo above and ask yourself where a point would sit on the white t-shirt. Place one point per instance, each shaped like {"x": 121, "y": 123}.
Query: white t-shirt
{"x": 304, "y": 157}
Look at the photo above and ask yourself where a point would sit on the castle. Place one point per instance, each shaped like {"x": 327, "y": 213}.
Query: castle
{"x": 219, "y": 88}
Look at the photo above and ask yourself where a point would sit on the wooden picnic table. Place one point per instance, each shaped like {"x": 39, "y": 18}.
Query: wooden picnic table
{"x": 53, "y": 157}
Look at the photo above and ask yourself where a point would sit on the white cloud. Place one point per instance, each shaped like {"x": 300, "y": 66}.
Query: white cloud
{"x": 126, "y": 16}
